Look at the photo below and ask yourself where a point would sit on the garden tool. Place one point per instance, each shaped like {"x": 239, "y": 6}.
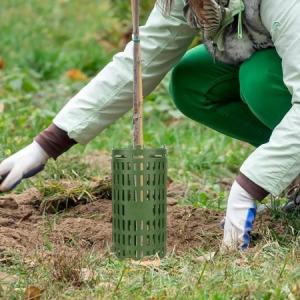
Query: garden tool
{"x": 139, "y": 177}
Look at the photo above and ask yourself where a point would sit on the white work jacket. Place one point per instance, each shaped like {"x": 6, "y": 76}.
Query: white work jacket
{"x": 164, "y": 39}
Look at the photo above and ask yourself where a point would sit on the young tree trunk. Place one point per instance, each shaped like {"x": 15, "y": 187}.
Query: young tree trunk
{"x": 137, "y": 79}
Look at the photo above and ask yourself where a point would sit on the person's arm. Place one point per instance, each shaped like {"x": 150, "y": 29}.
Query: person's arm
{"x": 164, "y": 39}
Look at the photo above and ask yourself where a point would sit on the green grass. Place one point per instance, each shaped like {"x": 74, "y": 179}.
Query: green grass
{"x": 42, "y": 40}
{"x": 272, "y": 272}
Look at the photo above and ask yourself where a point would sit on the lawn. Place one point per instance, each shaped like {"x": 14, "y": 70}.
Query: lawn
{"x": 49, "y": 50}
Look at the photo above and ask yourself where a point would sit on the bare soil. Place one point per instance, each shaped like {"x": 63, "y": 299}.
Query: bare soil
{"x": 27, "y": 224}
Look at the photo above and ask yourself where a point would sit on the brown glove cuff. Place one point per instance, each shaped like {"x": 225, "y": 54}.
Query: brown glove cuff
{"x": 256, "y": 191}
{"x": 54, "y": 141}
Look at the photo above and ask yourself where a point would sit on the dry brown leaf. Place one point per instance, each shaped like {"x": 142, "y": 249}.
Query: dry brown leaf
{"x": 33, "y": 293}
{"x": 148, "y": 263}
{"x": 2, "y": 107}
{"x": 76, "y": 75}
{"x": 2, "y": 64}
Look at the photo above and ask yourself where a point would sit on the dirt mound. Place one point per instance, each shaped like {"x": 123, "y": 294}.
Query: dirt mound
{"x": 25, "y": 226}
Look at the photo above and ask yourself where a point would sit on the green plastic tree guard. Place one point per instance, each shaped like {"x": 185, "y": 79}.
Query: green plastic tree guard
{"x": 139, "y": 178}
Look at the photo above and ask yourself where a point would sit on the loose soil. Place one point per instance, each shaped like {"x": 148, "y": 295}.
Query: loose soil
{"x": 27, "y": 223}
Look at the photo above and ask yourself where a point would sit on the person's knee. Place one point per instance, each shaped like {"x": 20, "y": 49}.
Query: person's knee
{"x": 192, "y": 78}
{"x": 187, "y": 90}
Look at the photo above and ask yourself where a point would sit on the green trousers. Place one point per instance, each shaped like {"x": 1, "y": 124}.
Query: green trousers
{"x": 245, "y": 103}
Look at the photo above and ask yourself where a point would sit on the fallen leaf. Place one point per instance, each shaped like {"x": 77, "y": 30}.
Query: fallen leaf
{"x": 76, "y": 75}
{"x": 2, "y": 64}
{"x": 147, "y": 263}
{"x": 33, "y": 293}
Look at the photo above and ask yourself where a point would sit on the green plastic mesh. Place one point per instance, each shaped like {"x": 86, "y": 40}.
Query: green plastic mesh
{"x": 139, "y": 178}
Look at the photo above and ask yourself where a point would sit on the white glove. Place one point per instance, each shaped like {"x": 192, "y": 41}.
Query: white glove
{"x": 240, "y": 215}
{"x": 23, "y": 164}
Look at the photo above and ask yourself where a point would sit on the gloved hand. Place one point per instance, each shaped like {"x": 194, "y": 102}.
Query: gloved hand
{"x": 240, "y": 215}
{"x": 23, "y": 164}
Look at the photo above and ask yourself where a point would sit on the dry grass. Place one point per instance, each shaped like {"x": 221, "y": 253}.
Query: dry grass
{"x": 66, "y": 267}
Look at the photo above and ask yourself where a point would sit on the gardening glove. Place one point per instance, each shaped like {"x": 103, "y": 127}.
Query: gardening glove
{"x": 240, "y": 216}
{"x": 23, "y": 164}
